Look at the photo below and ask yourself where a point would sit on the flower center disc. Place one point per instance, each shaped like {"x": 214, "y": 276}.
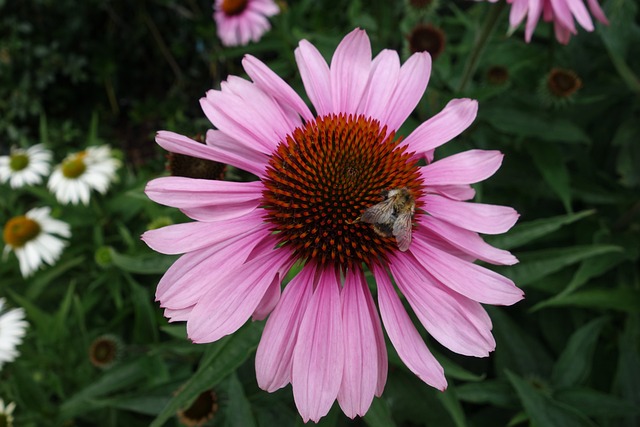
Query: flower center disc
{"x": 19, "y": 230}
{"x": 321, "y": 180}
{"x": 17, "y": 162}
{"x": 233, "y": 7}
{"x": 74, "y": 167}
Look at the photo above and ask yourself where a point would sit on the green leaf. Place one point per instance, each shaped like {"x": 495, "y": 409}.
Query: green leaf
{"x": 532, "y": 124}
{"x": 379, "y": 414}
{"x": 587, "y": 270}
{"x": 542, "y": 410}
{"x": 118, "y": 378}
{"x": 574, "y": 364}
{"x": 527, "y": 232}
{"x": 618, "y": 36}
{"x": 145, "y": 327}
{"x": 230, "y": 353}
{"x": 551, "y": 165}
{"x": 595, "y": 403}
{"x": 152, "y": 263}
{"x": 628, "y": 367}
{"x": 450, "y": 401}
{"x": 516, "y": 349}
{"x": 536, "y": 265}
{"x": 619, "y": 299}
{"x": 593, "y": 268}
{"x": 238, "y": 411}
{"x": 490, "y": 392}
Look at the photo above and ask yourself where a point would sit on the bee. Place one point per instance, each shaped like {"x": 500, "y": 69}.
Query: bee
{"x": 393, "y": 216}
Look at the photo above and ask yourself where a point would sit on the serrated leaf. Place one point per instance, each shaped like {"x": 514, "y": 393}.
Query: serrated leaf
{"x": 536, "y": 265}
{"x": 527, "y": 232}
{"x": 574, "y": 364}
{"x": 551, "y": 165}
{"x": 233, "y": 351}
{"x": 544, "y": 411}
{"x": 379, "y": 414}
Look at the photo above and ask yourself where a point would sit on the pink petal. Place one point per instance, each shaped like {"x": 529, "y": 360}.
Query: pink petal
{"x": 228, "y": 150}
{"x": 467, "y": 241}
{"x": 274, "y": 85}
{"x": 412, "y": 82}
{"x": 349, "y": 72}
{"x": 247, "y": 159}
{"x": 597, "y": 11}
{"x": 535, "y": 10}
{"x": 481, "y": 218}
{"x": 269, "y": 300}
{"x": 457, "y": 322}
{"x": 360, "y": 376}
{"x": 179, "y": 315}
{"x": 455, "y": 192}
{"x": 191, "y": 236}
{"x": 580, "y": 12}
{"x": 471, "y": 280}
{"x": 274, "y": 356}
{"x": 383, "y": 78}
{"x": 246, "y": 112}
{"x": 381, "y": 345}
{"x": 562, "y": 14}
{"x": 456, "y": 116}
{"x": 467, "y": 167}
{"x": 318, "y": 357}
{"x": 518, "y": 12}
{"x": 233, "y": 296}
{"x": 218, "y": 200}
{"x": 404, "y": 336}
{"x": 190, "y": 277}
{"x": 563, "y": 35}
{"x": 314, "y": 72}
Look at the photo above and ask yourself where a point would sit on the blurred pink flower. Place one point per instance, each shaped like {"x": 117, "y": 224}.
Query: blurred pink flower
{"x": 561, "y": 12}
{"x": 241, "y": 21}
{"x": 317, "y": 174}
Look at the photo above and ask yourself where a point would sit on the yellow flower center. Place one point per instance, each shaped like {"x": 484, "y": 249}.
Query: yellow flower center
{"x": 74, "y": 166}
{"x": 19, "y": 161}
{"x": 234, "y": 7}
{"x": 19, "y": 230}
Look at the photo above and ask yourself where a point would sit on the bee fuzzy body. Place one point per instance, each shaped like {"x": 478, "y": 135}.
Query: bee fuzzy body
{"x": 393, "y": 216}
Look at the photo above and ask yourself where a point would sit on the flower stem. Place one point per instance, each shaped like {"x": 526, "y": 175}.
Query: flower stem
{"x": 480, "y": 44}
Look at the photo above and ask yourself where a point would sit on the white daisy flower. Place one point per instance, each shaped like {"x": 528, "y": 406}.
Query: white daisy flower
{"x": 12, "y": 330}
{"x": 34, "y": 237}
{"x": 6, "y": 414}
{"x": 79, "y": 173}
{"x": 25, "y": 167}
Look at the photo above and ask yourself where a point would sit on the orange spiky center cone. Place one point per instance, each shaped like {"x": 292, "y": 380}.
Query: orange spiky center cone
{"x": 324, "y": 176}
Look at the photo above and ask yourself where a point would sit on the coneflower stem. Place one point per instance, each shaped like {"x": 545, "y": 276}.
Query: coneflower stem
{"x": 480, "y": 43}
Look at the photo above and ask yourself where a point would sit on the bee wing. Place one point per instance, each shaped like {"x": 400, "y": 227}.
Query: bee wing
{"x": 402, "y": 230}
{"x": 380, "y": 213}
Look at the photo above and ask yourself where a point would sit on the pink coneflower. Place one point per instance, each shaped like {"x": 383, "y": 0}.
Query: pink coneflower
{"x": 317, "y": 176}
{"x": 561, "y": 12}
{"x": 241, "y": 21}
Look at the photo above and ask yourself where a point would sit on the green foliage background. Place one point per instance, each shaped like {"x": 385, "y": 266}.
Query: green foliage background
{"x": 115, "y": 71}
